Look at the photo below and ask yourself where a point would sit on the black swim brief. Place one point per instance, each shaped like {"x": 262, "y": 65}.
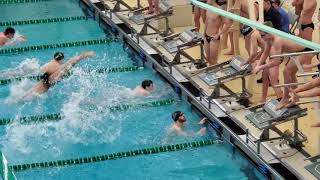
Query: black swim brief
{"x": 304, "y": 26}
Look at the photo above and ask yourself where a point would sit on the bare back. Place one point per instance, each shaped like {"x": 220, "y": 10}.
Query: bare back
{"x": 286, "y": 46}
{"x": 51, "y": 67}
{"x": 3, "y": 39}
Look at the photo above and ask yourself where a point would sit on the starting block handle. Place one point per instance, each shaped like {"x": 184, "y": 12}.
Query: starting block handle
{"x": 293, "y": 54}
{"x": 307, "y": 102}
{"x": 291, "y": 84}
{"x": 313, "y": 158}
{"x": 308, "y": 74}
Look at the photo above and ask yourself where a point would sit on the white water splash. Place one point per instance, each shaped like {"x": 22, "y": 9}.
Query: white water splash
{"x": 18, "y": 91}
{"x": 26, "y": 67}
{"x": 17, "y": 39}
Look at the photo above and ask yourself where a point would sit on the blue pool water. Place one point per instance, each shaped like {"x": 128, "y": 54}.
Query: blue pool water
{"x": 89, "y": 128}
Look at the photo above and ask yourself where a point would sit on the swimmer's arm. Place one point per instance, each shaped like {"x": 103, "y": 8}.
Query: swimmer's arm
{"x": 309, "y": 93}
{"x": 227, "y": 23}
{"x": 254, "y": 57}
{"x": 308, "y": 67}
{"x": 3, "y": 41}
{"x": 310, "y": 85}
{"x": 181, "y": 133}
{"x": 274, "y": 61}
{"x": 74, "y": 60}
{"x": 298, "y": 8}
{"x": 264, "y": 56}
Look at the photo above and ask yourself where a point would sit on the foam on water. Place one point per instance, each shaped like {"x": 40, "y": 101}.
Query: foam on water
{"x": 26, "y": 67}
{"x": 80, "y": 124}
{"x": 18, "y": 91}
{"x": 17, "y": 39}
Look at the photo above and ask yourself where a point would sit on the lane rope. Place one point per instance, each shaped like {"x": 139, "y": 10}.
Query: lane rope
{"x": 20, "y": 1}
{"x": 43, "y": 21}
{"x": 97, "y": 71}
{"x": 58, "y": 116}
{"x": 114, "y": 156}
{"x": 58, "y": 45}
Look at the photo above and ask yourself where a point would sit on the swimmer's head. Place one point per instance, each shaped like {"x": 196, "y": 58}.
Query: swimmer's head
{"x": 275, "y": 3}
{"x": 266, "y": 36}
{"x": 266, "y": 5}
{"x": 9, "y": 32}
{"x": 58, "y": 56}
{"x": 147, "y": 85}
{"x": 178, "y": 116}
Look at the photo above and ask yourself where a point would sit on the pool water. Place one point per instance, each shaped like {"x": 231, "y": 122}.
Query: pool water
{"x": 89, "y": 127}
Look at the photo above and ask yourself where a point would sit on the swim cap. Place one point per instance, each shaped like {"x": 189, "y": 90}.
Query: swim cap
{"x": 176, "y": 115}
{"x": 245, "y": 30}
{"x": 58, "y": 56}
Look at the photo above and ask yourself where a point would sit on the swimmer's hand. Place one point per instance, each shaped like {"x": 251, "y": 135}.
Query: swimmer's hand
{"x": 244, "y": 63}
{"x": 257, "y": 69}
{"x": 203, "y": 120}
{"x": 88, "y": 54}
{"x": 202, "y": 131}
{"x": 23, "y": 38}
{"x": 308, "y": 67}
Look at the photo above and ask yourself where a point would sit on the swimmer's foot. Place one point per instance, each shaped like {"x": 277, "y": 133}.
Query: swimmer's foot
{"x": 149, "y": 12}
{"x": 283, "y": 103}
{"x": 315, "y": 125}
{"x": 263, "y": 100}
{"x": 229, "y": 53}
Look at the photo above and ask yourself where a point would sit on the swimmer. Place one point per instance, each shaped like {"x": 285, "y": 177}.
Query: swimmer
{"x": 215, "y": 26}
{"x": 7, "y": 36}
{"x": 54, "y": 64}
{"x": 199, "y": 12}
{"x": 305, "y": 10}
{"x": 178, "y": 126}
{"x": 274, "y": 45}
{"x": 145, "y": 89}
{"x": 48, "y": 80}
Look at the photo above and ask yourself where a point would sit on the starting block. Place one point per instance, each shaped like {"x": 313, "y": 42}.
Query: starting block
{"x": 224, "y": 71}
{"x": 221, "y": 73}
{"x": 140, "y": 18}
{"x": 176, "y": 44}
{"x": 266, "y": 117}
{"x": 182, "y": 40}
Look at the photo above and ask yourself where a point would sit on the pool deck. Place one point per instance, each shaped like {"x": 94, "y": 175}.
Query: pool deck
{"x": 293, "y": 160}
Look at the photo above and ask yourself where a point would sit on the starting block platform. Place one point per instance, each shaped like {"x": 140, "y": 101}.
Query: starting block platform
{"x": 265, "y": 116}
{"x": 314, "y": 169}
{"x": 182, "y": 40}
{"x": 231, "y": 69}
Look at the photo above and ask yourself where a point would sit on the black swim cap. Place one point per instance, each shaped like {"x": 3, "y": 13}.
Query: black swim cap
{"x": 245, "y": 30}
{"x": 176, "y": 115}
{"x": 146, "y": 83}
{"x": 9, "y": 30}
{"x": 58, "y": 56}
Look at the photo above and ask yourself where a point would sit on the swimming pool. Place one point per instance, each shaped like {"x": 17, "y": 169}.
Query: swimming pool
{"x": 89, "y": 127}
